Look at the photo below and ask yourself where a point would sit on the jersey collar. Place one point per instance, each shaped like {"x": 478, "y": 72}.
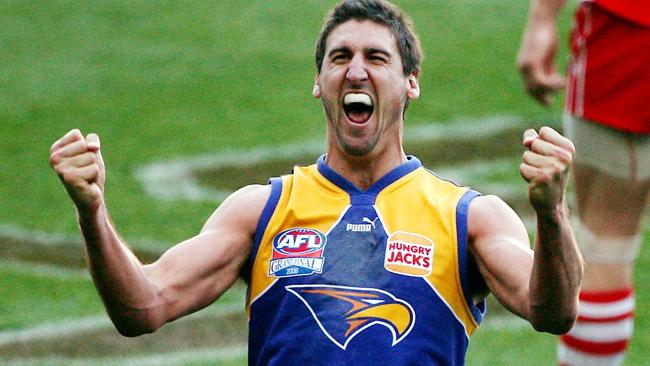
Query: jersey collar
{"x": 398, "y": 172}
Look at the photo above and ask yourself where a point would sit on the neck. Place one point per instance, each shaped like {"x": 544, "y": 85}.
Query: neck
{"x": 364, "y": 171}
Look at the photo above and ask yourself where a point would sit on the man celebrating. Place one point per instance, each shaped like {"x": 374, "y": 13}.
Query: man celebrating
{"x": 364, "y": 256}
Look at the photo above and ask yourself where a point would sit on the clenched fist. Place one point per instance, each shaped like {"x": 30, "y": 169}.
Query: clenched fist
{"x": 545, "y": 167}
{"x": 78, "y": 162}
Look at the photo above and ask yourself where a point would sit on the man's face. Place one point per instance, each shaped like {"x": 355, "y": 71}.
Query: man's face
{"x": 363, "y": 87}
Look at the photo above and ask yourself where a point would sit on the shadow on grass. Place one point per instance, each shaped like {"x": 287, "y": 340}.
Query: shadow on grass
{"x": 433, "y": 154}
{"x": 63, "y": 254}
{"x": 205, "y": 329}
{"x": 219, "y": 331}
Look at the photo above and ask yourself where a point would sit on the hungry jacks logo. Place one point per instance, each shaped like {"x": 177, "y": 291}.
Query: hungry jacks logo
{"x": 344, "y": 312}
{"x": 409, "y": 254}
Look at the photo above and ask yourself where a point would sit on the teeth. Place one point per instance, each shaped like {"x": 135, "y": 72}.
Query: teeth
{"x": 357, "y": 98}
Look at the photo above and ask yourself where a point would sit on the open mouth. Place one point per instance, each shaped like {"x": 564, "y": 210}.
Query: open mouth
{"x": 358, "y": 107}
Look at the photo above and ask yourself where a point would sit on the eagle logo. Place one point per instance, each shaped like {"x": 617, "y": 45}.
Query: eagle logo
{"x": 343, "y": 312}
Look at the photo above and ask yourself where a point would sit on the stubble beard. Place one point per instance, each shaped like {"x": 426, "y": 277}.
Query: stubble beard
{"x": 348, "y": 148}
{"x": 356, "y": 150}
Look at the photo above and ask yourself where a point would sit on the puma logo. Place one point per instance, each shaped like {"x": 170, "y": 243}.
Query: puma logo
{"x": 371, "y": 222}
{"x": 367, "y": 226}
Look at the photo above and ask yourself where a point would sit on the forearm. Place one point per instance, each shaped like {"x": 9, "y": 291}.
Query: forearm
{"x": 545, "y": 10}
{"x": 556, "y": 274}
{"x": 118, "y": 275}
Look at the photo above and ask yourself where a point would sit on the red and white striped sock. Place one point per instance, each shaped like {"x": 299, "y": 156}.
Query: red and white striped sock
{"x": 601, "y": 335}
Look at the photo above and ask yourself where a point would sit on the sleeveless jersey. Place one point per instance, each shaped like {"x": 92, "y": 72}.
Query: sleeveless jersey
{"x": 343, "y": 276}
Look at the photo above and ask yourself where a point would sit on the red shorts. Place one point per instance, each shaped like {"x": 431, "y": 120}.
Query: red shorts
{"x": 609, "y": 74}
{"x": 638, "y": 11}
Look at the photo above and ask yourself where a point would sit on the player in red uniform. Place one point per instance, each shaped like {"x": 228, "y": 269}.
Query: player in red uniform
{"x": 608, "y": 119}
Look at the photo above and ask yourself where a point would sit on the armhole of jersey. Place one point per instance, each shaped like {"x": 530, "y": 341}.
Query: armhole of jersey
{"x": 462, "y": 209}
{"x": 269, "y": 209}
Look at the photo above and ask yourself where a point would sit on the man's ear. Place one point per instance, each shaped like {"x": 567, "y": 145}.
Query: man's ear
{"x": 316, "y": 91}
{"x": 413, "y": 91}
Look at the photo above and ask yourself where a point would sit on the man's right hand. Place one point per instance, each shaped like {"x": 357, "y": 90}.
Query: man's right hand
{"x": 78, "y": 163}
{"x": 536, "y": 57}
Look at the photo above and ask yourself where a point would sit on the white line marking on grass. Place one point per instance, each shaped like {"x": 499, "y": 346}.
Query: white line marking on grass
{"x": 49, "y": 239}
{"x": 504, "y": 322}
{"x": 41, "y": 239}
{"x": 172, "y": 179}
{"x": 35, "y": 236}
{"x": 78, "y": 326}
{"x": 462, "y": 128}
{"x": 478, "y": 171}
{"x": 213, "y": 355}
{"x": 75, "y": 326}
{"x": 56, "y": 329}
{"x": 45, "y": 270}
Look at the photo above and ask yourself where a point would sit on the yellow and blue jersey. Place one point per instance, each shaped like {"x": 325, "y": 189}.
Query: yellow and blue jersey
{"x": 344, "y": 276}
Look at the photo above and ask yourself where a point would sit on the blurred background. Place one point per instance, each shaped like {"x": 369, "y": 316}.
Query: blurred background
{"x": 193, "y": 99}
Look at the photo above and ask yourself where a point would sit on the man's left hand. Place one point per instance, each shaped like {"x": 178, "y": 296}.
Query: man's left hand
{"x": 545, "y": 167}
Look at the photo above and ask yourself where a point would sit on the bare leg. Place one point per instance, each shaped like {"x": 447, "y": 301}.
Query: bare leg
{"x": 609, "y": 207}
{"x": 611, "y": 210}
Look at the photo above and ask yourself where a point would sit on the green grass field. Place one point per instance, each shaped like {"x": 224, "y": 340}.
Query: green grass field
{"x": 173, "y": 80}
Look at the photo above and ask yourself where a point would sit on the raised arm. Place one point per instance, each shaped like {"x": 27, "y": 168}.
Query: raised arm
{"x": 536, "y": 58}
{"x": 540, "y": 286}
{"x": 191, "y": 275}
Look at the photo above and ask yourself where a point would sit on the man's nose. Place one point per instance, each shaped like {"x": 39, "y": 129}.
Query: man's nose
{"x": 357, "y": 70}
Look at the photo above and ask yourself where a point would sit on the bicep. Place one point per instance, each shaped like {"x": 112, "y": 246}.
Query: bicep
{"x": 196, "y": 272}
{"x": 500, "y": 247}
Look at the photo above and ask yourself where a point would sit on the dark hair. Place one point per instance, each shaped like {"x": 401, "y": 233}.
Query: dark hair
{"x": 381, "y": 12}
